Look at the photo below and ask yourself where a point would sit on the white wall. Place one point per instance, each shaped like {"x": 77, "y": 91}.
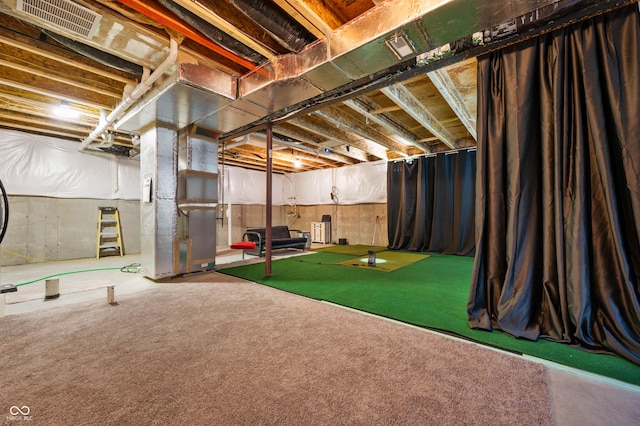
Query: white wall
{"x": 357, "y": 184}
{"x": 49, "y": 167}
{"x": 55, "y": 191}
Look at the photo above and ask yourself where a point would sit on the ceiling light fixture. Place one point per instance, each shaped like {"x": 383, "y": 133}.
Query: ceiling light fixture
{"x": 400, "y": 45}
{"x": 64, "y": 110}
{"x": 297, "y": 163}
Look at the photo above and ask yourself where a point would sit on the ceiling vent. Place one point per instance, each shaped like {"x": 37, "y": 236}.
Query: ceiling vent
{"x": 63, "y": 14}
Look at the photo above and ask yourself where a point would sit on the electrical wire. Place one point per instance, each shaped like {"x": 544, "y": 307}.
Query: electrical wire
{"x": 67, "y": 273}
{"x": 4, "y": 213}
{"x": 132, "y": 269}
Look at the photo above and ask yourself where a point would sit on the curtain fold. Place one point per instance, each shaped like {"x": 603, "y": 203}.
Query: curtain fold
{"x": 430, "y": 203}
{"x": 558, "y": 187}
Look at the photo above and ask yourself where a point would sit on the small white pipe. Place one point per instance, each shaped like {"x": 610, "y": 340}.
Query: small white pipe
{"x": 232, "y": 145}
{"x": 135, "y": 94}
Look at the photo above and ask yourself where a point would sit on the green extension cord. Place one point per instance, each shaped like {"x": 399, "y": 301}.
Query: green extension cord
{"x": 133, "y": 268}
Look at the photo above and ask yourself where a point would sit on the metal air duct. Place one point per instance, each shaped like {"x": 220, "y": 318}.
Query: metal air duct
{"x": 392, "y": 33}
{"x": 181, "y": 97}
{"x": 80, "y": 24}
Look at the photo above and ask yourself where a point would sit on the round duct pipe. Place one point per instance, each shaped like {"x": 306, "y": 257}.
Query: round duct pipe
{"x": 276, "y": 22}
{"x": 213, "y": 33}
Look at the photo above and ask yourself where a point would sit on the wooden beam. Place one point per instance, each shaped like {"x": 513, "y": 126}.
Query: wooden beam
{"x": 57, "y": 92}
{"x": 41, "y": 106}
{"x": 38, "y": 48}
{"x": 385, "y": 109}
{"x": 49, "y": 132}
{"x": 281, "y": 157}
{"x": 43, "y": 85}
{"x": 353, "y": 139}
{"x": 307, "y": 16}
{"x": 254, "y": 165}
{"x": 358, "y": 148}
{"x": 431, "y": 139}
{"x": 447, "y": 88}
{"x": 290, "y": 152}
{"x": 342, "y": 119}
{"x": 390, "y": 125}
{"x": 49, "y": 74}
{"x": 42, "y": 122}
{"x": 297, "y": 133}
{"x": 403, "y": 97}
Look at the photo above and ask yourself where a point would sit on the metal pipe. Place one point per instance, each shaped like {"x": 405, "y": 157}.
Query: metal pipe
{"x": 243, "y": 141}
{"x": 143, "y": 87}
{"x": 269, "y": 220}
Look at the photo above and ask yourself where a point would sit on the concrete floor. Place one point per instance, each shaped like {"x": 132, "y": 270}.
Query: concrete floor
{"x": 578, "y": 398}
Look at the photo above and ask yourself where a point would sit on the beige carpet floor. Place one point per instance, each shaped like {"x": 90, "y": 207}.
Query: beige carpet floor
{"x": 210, "y": 350}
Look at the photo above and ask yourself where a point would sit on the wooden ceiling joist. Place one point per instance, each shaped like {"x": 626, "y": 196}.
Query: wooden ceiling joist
{"x": 37, "y": 72}
{"x": 278, "y": 166}
{"x": 62, "y": 57}
{"x": 383, "y": 121}
{"x": 332, "y": 133}
{"x": 23, "y": 69}
{"x": 342, "y": 119}
{"x": 318, "y": 20}
{"x": 48, "y": 89}
{"x": 385, "y": 109}
{"x": 297, "y": 133}
{"x": 447, "y": 88}
{"x": 281, "y": 156}
{"x": 403, "y": 97}
{"x": 344, "y": 135}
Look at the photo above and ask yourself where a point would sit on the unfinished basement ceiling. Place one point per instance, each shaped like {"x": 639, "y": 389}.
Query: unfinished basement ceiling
{"x": 342, "y": 82}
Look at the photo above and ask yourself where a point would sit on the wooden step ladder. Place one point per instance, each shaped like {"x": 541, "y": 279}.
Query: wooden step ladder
{"x": 109, "y": 237}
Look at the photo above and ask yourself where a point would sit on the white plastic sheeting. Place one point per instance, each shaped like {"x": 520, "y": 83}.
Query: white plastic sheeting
{"x": 312, "y": 187}
{"x": 357, "y": 184}
{"x": 43, "y": 166}
{"x": 362, "y": 183}
{"x": 243, "y": 186}
{"x": 49, "y": 167}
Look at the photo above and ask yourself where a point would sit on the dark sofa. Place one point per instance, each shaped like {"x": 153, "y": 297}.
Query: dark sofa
{"x": 280, "y": 239}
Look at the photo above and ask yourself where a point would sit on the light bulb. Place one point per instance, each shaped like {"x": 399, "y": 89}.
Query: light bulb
{"x": 64, "y": 110}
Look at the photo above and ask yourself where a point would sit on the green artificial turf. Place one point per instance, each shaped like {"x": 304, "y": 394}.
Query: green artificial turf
{"x": 431, "y": 293}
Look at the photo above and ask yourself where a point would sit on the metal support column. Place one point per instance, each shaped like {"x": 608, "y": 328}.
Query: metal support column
{"x": 267, "y": 265}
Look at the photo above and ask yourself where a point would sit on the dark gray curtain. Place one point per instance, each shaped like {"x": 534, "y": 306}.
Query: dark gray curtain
{"x": 558, "y": 187}
{"x": 430, "y": 203}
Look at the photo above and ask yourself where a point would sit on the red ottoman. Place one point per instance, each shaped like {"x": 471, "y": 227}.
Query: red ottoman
{"x": 243, "y": 245}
